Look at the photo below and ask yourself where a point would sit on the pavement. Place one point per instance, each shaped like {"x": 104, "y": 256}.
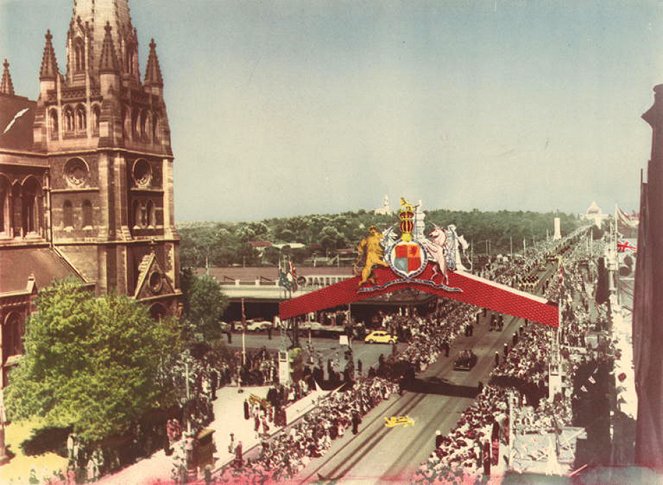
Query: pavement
{"x": 229, "y": 418}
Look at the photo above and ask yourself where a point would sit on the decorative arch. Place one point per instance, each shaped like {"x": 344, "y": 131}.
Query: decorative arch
{"x": 53, "y": 124}
{"x": 31, "y": 198}
{"x": 151, "y": 214}
{"x": 5, "y": 210}
{"x": 155, "y": 128}
{"x": 79, "y": 55}
{"x": 81, "y": 118}
{"x": 87, "y": 214}
{"x": 67, "y": 214}
{"x": 96, "y": 116}
{"x": 12, "y": 335}
{"x": 69, "y": 123}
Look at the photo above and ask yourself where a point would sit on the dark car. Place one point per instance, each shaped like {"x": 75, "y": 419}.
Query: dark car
{"x": 465, "y": 360}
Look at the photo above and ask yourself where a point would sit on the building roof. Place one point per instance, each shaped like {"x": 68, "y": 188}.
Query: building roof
{"x": 272, "y": 272}
{"x": 17, "y": 115}
{"x": 45, "y": 264}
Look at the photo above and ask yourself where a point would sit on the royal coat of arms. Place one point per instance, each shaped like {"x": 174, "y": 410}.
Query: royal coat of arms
{"x": 409, "y": 255}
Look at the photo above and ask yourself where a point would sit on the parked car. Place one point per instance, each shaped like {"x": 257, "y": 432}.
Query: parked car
{"x": 380, "y": 337}
{"x": 258, "y": 325}
{"x": 465, "y": 360}
{"x": 225, "y": 326}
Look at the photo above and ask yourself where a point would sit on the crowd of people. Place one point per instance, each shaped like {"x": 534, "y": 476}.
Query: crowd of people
{"x": 522, "y": 372}
{"x": 289, "y": 451}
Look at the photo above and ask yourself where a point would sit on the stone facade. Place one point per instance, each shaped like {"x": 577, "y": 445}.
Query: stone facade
{"x": 86, "y": 170}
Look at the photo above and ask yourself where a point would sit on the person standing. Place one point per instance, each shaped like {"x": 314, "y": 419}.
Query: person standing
{"x": 360, "y": 366}
{"x": 247, "y": 414}
{"x": 231, "y": 446}
{"x": 239, "y": 460}
{"x": 497, "y": 359}
{"x": 438, "y": 438}
{"x": 356, "y": 420}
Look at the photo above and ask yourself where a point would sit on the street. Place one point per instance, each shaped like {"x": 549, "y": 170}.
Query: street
{"x": 378, "y": 453}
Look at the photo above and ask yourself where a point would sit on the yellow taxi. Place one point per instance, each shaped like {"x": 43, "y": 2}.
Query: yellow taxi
{"x": 380, "y": 337}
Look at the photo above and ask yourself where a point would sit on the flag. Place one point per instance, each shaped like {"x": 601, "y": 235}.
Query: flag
{"x": 626, "y": 225}
{"x": 624, "y": 245}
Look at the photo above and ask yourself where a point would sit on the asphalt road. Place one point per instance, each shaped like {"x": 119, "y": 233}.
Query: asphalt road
{"x": 380, "y": 454}
{"x": 327, "y": 348}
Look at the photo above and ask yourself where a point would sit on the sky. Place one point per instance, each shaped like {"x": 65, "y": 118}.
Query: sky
{"x": 281, "y": 108}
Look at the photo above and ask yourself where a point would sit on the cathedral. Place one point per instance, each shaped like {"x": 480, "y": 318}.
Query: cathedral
{"x": 86, "y": 175}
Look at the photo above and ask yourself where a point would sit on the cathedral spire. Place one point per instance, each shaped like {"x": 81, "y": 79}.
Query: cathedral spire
{"x": 153, "y": 75}
{"x": 49, "y": 64}
{"x": 108, "y": 63}
{"x": 98, "y": 13}
{"x": 6, "y": 86}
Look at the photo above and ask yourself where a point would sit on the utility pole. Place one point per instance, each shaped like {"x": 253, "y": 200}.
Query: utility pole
{"x": 243, "y": 334}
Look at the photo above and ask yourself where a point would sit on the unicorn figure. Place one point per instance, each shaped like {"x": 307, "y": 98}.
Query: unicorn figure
{"x": 459, "y": 246}
{"x": 436, "y": 247}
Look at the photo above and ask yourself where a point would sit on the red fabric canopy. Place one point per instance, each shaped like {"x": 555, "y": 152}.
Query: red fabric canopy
{"x": 466, "y": 288}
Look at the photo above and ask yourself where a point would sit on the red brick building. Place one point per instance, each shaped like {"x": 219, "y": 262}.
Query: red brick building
{"x": 86, "y": 174}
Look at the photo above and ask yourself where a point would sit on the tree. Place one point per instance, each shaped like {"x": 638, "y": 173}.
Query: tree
{"x": 204, "y": 306}
{"x": 93, "y": 364}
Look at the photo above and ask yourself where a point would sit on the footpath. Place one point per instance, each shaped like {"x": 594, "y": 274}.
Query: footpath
{"x": 229, "y": 418}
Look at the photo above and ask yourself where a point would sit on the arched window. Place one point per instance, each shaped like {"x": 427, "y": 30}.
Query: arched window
{"x": 31, "y": 195}
{"x": 145, "y": 125}
{"x": 79, "y": 55}
{"x": 135, "y": 125}
{"x": 53, "y": 124}
{"x": 140, "y": 214}
{"x": 81, "y": 119}
{"x": 151, "y": 214}
{"x": 5, "y": 190}
{"x": 67, "y": 214}
{"x": 131, "y": 59}
{"x": 87, "y": 213}
{"x": 96, "y": 115}
{"x": 12, "y": 335}
{"x": 69, "y": 118}
{"x": 16, "y": 210}
{"x": 155, "y": 128}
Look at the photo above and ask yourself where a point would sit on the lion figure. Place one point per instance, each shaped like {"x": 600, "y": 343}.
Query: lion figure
{"x": 370, "y": 250}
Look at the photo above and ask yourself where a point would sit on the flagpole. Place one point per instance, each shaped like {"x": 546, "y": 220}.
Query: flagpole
{"x": 243, "y": 334}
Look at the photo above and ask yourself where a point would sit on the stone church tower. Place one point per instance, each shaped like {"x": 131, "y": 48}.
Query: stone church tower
{"x": 105, "y": 131}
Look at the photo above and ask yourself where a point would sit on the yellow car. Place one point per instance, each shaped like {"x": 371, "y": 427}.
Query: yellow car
{"x": 380, "y": 337}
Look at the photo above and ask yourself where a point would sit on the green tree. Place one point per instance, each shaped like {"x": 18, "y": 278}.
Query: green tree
{"x": 93, "y": 364}
{"x": 204, "y": 306}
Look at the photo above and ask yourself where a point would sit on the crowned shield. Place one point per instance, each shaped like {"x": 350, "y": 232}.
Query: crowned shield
{"x": 407, "y": 258}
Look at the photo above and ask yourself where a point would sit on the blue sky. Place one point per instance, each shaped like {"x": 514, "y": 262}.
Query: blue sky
{"x": 297, "y": 107}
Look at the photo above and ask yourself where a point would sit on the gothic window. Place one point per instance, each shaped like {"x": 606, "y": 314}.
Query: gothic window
{"x": 131, "y": 59}
{"x": 144, "y": 125}
{"x": 155, "y": 128}
{"x": 4, "y": 206}
{"x": 81, "y": 119}
{"x": 96, "y": 114}
{"x": 16, "y": 209}
{"x": 68, "y": 214}
{"x": 151, "y": 214}
{"x": 69, "y": 118}
{"x": 54, "y": 125}
{"x": 31, "y": 200}
{"x": 140, "y": 214}
{"x": 87, "y": 213}
{"x": 79, "y": 55}
{"x": 12, "y": 335}
{"x": 135, "y": 126}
